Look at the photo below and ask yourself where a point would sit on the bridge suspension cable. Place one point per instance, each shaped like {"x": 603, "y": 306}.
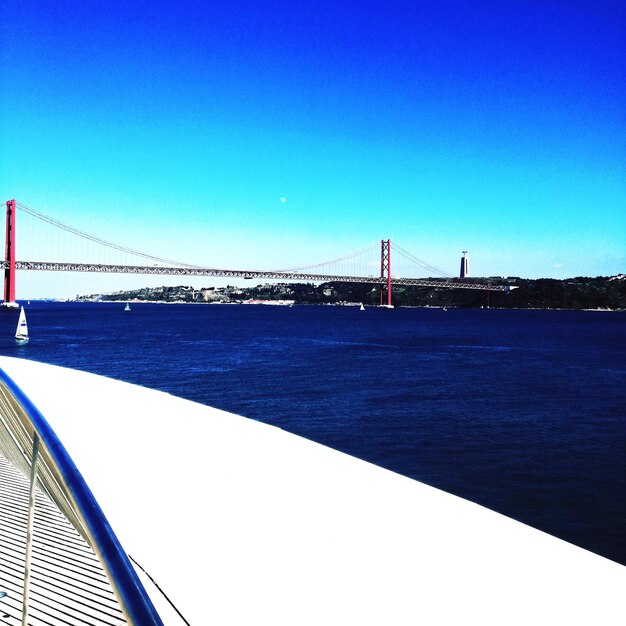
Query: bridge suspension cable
{"x": 413, "y": 259}
{"x": 94, "y": 238}
{"x": 360, "y": 252}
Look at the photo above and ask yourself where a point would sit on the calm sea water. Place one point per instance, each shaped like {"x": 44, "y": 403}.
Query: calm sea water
{"x": 521, "y": 411}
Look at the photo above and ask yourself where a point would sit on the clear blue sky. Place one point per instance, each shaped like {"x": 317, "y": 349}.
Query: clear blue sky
{"x": 176, "y": 128}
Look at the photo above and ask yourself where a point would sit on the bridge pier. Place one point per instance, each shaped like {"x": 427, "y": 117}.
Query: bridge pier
{"x": 9, "y": 257}
{"x": 385, "y": 271}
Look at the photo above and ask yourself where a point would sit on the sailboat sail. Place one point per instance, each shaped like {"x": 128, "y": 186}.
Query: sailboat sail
{"x": 21, "y": 334}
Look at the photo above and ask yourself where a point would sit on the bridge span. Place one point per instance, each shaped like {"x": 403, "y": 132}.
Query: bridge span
{"x": 386, "y": 281}
{"x": 52, "y": 266}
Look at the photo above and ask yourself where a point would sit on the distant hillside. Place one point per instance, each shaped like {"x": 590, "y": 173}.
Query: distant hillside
{"x": 543, "y": 293}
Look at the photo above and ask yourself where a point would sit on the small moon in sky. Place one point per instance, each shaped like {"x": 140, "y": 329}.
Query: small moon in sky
{"x": 283, "y": 199}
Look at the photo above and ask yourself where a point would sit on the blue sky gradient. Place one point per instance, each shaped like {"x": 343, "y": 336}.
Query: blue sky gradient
{"x": 176, "y": 128}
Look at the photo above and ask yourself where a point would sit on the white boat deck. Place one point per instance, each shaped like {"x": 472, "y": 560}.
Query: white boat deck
{"x": 242, "y": 523}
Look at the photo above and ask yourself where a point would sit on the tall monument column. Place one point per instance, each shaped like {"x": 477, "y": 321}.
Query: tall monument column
{"x": 464, "y": 267}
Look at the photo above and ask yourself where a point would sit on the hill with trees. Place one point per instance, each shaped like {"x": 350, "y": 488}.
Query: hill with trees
{"x": 544, "y": 293}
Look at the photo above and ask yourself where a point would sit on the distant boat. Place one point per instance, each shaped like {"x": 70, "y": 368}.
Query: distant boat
{"x": 361, "y": 308}
{"x": 127, "y": 307}
{"x": 21, "y": 334}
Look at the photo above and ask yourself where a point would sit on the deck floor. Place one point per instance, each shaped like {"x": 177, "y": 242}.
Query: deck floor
{"x": 68, "y": 584}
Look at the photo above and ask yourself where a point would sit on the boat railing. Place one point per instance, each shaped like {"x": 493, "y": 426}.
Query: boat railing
{"x": 32, "y": 448}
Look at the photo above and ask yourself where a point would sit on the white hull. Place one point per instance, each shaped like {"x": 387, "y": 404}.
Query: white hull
{"x": 333, "y": 540}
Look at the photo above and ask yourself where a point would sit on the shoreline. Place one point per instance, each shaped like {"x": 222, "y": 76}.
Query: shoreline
{"x": 344, "y": 305}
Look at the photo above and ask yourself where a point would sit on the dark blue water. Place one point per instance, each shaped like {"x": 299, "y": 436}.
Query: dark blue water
{"x": 521, "y": 411}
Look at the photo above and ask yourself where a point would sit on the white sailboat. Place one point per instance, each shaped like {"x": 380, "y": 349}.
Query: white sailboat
{"x": 21, "y": 333}
{"x": 127, "y": 307}
{"x": 361, "y": 308}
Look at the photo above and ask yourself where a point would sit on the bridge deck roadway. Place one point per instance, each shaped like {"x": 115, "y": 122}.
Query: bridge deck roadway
{"x": 453, "y": 283}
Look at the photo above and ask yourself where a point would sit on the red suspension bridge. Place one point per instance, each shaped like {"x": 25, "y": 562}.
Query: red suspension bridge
{"x": 159, "y": 266}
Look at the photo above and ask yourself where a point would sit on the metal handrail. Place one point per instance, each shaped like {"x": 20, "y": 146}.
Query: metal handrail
{"x": 130, "y": 592}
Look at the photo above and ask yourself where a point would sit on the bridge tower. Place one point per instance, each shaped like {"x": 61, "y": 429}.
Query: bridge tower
{"x": 385, "y": 271}
{"x": 9, "y": 257}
